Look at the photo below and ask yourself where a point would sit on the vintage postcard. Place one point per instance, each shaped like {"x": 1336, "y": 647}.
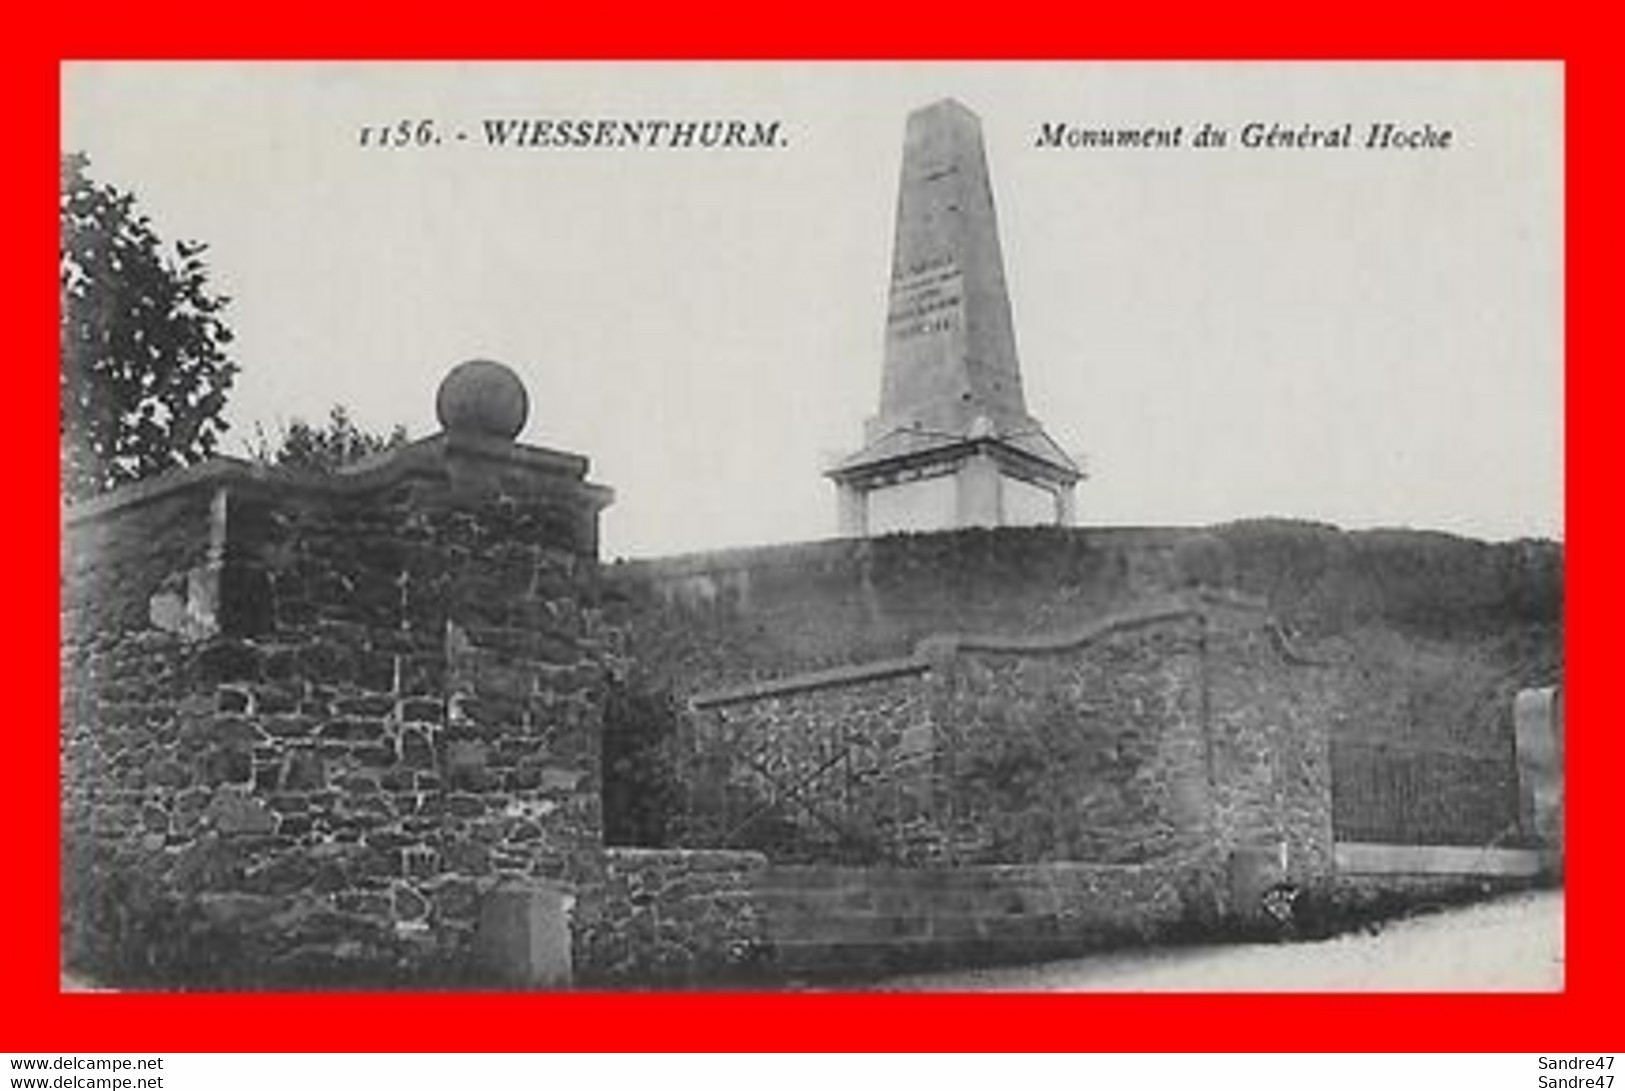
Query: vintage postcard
{"x": 1065, "y": 526}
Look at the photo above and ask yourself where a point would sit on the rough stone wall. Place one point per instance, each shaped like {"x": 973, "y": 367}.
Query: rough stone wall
{"x": 141, "y": 765}
{"x": 672, "y": 917}
{"x": 841, "y": 773}
{"x": 1092, "y": 753}
{"x": 301, "y": 752}
{"x": 1165, "y": 736}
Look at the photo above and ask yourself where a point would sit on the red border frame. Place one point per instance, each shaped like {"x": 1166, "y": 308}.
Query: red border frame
{"x": 39, "y": 1018}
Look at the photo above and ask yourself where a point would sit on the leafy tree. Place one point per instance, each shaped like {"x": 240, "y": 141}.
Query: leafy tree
{"x": 144, "y": 369}
{"x": 324, "y": 448}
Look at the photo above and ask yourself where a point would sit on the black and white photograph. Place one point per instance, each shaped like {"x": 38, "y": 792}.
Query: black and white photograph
{"x": 1088, "y": 526}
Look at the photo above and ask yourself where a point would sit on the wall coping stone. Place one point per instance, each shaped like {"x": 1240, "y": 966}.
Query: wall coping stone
{"x": 950, "y": 644}
{"x": 933, "y": 651}
{"x": 833, "y": 678}
{"x": 425, "y": 458}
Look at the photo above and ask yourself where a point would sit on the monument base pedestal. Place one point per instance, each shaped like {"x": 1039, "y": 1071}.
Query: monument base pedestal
{"x": 972, "y": 489}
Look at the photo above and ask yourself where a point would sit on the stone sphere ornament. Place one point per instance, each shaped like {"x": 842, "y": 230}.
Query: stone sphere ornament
{"x": 482, "y": 398}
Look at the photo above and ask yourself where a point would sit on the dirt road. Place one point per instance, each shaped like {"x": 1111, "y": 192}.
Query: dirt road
{"x": 1513, "y": 944}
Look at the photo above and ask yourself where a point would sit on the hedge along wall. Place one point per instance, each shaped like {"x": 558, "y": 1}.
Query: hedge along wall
{"x": 1176, "y": 734}
{"x": 715, "y": 620}
{"x": 309, "y": 723}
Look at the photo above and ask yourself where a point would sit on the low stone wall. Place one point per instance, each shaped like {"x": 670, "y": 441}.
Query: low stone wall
{"x": 685, "y": 918}
{"x": 830, "y": 921}
{"x": 671, "y": 916}
{"x": 1351, "y": 900}
{"x": 717, "y": 919}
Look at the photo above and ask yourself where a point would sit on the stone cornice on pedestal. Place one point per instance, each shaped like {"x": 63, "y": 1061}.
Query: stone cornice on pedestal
{"x": 475, "y": 462}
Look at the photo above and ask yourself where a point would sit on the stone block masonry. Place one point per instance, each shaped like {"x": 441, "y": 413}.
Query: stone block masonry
{"x": 850, "y": 923}
{"x": 310, "y": 723}
{"x": 675, "y": 918}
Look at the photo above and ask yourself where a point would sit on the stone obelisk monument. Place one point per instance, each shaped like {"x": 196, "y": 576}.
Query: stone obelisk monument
{"x": 953, "y": 444}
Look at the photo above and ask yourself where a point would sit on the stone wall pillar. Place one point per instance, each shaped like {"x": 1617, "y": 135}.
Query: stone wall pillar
{"x": 349, "y": 726}
{"x": 1538, "y": 732}
{"x": 1268, "y": 724}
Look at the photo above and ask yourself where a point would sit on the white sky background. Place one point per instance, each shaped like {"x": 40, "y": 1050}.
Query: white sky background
{"x": 1361, "y": 337}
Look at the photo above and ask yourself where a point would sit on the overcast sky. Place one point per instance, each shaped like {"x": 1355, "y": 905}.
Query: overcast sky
{"x": 1369, "y": 338}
